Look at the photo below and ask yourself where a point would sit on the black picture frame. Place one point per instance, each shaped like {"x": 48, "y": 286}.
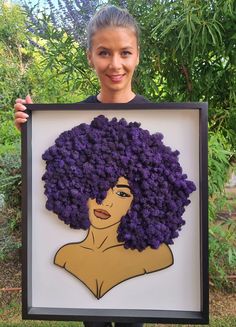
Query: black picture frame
{"x": 34, "y": 312}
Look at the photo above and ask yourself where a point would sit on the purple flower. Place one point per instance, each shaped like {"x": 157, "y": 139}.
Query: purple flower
{"x": 67, "y": 16}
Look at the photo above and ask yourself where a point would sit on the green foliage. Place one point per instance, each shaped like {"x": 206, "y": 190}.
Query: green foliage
{"x": 23, "y": 70}
{"x": 10, "y": 190}
{"x": 219, "y": 154}
{"x": 14, "y": 65}
{"x": 48, "y": 86}
{"x": 8, "y": 135}
{"x": 8, "y": 245}
{"x": 189, "y": 53}
{"x": 193, "y": 42}
{"x": 222, "y": 258}
{"x": 222, "y": 236}
{"x": 10, "y": 177}
{"x": 65, "y": 70}
{"x": 14, "y": 59}
{"x": 12, "y": 26}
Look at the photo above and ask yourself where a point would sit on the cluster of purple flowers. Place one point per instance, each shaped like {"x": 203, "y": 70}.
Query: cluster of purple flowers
{"x": 67, "y": 16}
{"x": 86, "y": 161}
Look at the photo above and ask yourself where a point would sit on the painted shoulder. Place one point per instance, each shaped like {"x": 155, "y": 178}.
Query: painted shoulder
{"x": 63, "y": 254}
{"x": 160, "y": 258}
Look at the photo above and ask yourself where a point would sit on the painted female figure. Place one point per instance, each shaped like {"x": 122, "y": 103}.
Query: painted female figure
{"x": 127, "y": 188}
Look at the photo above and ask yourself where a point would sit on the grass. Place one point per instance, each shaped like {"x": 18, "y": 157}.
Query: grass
{"x": 40, "y": 324}
{"x": 217, "y": 322}
{"x": 10, "y": 317}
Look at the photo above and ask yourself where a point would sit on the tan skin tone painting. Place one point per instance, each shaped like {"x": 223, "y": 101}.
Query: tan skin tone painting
{"x": 101, "y": 262}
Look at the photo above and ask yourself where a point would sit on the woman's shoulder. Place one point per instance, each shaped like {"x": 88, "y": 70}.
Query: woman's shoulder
{"x": 90, "y": 99}
{"x": 139, "y": 99}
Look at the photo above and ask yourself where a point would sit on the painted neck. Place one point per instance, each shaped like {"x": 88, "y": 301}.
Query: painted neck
{"x": 101, "y": 239}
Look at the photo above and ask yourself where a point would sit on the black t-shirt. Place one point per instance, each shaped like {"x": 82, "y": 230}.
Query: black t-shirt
{"x": 137, "y": 99}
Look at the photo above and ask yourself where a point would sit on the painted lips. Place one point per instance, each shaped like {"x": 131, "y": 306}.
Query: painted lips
{"x": 102, "y": 214}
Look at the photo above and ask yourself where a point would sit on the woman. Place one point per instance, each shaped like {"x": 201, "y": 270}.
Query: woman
{"x": 127, "y": 188}
{"x": 113, "y": 52}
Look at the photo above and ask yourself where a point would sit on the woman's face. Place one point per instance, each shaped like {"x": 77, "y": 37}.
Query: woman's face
{"x": 114, "y": 206}
{"x": 114, "y": 56}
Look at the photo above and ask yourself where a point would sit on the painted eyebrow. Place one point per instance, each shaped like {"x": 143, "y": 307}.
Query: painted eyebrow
{"x": 123, "y": 185}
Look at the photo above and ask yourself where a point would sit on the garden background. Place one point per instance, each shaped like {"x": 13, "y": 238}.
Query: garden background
{"x": 188, "y": 53}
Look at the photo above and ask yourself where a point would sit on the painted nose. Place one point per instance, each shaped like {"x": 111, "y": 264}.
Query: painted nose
{"x": 107, "y": 202}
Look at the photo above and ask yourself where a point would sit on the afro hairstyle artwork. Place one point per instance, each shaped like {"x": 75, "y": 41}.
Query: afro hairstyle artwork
{"x": 86, "y": 161}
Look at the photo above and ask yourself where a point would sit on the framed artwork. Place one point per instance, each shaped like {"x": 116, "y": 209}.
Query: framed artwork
{"x": 115, "y": 216}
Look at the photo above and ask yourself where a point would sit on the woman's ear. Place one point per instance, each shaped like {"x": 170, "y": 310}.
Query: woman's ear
{"x": 89, "y": 58}
{"x": 137, "y": 63}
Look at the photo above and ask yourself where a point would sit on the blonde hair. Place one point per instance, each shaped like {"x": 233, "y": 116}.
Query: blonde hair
{"x": 111, "y": 16}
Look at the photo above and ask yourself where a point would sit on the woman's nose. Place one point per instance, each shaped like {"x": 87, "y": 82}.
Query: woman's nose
{"x": 116, "y": 62}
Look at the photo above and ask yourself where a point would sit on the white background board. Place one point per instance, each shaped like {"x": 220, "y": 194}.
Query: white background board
{"x": 174, "y": 288}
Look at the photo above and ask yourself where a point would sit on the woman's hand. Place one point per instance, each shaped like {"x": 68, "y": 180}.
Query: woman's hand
{"x": 20, "y": 115}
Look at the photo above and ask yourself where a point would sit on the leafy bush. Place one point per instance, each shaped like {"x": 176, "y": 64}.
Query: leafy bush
{"x": 10, "y": 177}
{"x": 8, "y": 243}
{"x": 222, "y": 254}
{"x": 10, "y": 212}
{"x": 8, "y": 136}
{"x": 59, "y": 37}
{"x": 219, "y": 154}
{"x": 14, "y": 58}
{"x": 222, "y": 236}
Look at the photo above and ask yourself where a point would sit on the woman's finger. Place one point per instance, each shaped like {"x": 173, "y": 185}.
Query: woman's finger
{"x": 20, "y": 114}
{"x": 28, "y": 99}
{"x": 19, "y": 107}
{"x": 19, "y": 122}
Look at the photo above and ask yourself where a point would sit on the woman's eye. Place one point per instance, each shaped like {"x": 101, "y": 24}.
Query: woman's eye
{"x": 123, "y": 194}
{"x": 126, "y": 53}
{"x": 103, "y": 53}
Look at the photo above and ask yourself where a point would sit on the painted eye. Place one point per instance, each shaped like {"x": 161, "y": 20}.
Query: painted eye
{"x": 123, "y": 194}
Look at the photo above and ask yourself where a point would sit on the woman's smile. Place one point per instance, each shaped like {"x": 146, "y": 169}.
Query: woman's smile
{"x": 102, "y": 214}
{"x": 116, "y": 78}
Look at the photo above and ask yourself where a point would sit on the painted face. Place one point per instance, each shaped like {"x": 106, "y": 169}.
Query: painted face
{"x": 114, "y": 206}
{"x": 114, "y": 56}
